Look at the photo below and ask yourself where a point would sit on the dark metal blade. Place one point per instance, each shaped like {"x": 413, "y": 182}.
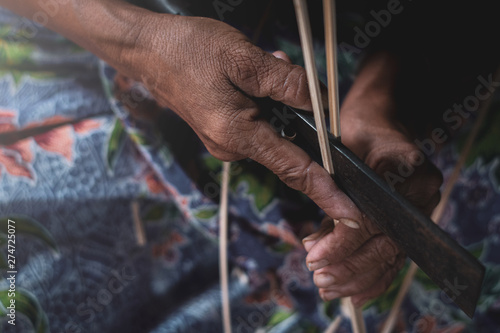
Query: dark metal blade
{"x": 449, "y": 265}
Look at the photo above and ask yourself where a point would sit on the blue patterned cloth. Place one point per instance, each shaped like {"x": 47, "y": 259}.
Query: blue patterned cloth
{"x": 117, "y": 215}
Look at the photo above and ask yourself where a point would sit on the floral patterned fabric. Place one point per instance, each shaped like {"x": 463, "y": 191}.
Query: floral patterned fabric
{"x": 116, "y": 203}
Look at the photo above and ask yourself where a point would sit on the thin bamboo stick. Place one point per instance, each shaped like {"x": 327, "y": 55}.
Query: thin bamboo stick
{"x": 223, "y": 234}
{"x": 331, "y": 65}
{"x": 314, "y": 88}
{"x": 140, "y": 233}
{"x": 334, "y": 325}
{"x": 312, "y": 78}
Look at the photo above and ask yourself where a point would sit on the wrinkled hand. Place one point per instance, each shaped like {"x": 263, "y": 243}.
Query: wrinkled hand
{"x": 363, "y": 262}
{"x": 210, "y": 74}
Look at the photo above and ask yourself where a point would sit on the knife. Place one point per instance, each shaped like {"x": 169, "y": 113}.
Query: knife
{"x": 457, "y": 272}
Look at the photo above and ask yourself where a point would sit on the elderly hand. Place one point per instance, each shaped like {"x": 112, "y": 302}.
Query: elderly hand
{"x": 210, "y": 74}
{"x": 363, "y": 262}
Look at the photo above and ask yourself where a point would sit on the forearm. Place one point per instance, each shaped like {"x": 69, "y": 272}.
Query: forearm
{"x": 374, "y": 85}
{"x": 110, "y": 29}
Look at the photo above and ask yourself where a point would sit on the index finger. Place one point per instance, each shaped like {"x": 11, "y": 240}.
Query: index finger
{"x": 296, "y": 169}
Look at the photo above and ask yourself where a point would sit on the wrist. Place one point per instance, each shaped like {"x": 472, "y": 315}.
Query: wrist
{"x": 367, "y": 121}
{"x": 369, "y": 110}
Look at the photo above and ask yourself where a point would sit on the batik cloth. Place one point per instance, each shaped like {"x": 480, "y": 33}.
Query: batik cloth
{"x": 116, "y": 213}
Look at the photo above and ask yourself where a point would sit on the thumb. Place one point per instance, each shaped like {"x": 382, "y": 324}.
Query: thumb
{"x": 282, "y": 55}
{"x": 261, "y": 74}
{"x": 324, "y": 90}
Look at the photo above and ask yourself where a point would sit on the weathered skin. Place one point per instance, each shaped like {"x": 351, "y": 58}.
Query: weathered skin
{"x": 208, "y": 73}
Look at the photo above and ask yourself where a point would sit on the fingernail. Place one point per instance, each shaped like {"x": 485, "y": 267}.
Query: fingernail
{"x": 312, "y": 266}
{"x": 329, "y": 295}
{"x": 350, "y": 223}
{"x": 324, "y": 280}
{"x": 308, "y": 244}
{"x": 310, "y": 238}
{"x": 309, "y": 241}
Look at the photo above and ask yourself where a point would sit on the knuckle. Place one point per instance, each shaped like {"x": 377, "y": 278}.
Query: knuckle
{"x": 229, "y": 135}
{"x": 220, "y": 149}
{"x": 292, "y": 86}
{"x": 322, "y": 294}
{"x": 219, "y": 153}
{"x": 297, "y": 177}
{"x": 350, "y": 269}
{"x": 415, "y": 157}
{"x": 218, "y": 137}
{"x": 244, "y": 65}
{"x": 344, "y": 249}
{"x": 359, "y": 263}
{"x": 385, "y": 248}
{"x": 297, "y": 86}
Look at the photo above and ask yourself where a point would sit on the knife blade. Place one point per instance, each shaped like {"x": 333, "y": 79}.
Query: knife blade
{"x": 457, "y": 272}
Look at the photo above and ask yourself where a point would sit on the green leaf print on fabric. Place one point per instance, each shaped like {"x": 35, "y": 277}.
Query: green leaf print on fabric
{"x": 206, "y": 213}
{"x": 138, "y": 137}
{"x": 154, "y": 213}
{"x": 25, "y": 302}
{"x": 213, "y": 164}
{"x": 254, "y": 179}
{"x": 28, "y": 226}
{"x": 115, "y": 143}
{"x": 28, "y": 305}
{"x": 12, "y": 54}
{"x": 282, "y": 247}
{"x": 278, "y": 317}
{"x": 261, "y": 187}
{"x": 18, "y": 75}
